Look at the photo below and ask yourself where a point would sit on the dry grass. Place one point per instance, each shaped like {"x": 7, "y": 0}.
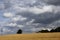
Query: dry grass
{"x": 34, "y": 36}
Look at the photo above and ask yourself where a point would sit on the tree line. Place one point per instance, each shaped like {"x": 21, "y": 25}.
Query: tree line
{"x": 52, "y": 30}
{"x": 42, "y": 31}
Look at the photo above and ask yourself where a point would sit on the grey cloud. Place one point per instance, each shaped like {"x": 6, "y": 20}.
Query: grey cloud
{"x": 22, "y": 3}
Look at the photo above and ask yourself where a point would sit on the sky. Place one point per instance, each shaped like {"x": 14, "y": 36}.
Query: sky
{"x": 28, "y": 15}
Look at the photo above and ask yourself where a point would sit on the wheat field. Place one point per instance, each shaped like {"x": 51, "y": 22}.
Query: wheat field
{"x": 33, "y": 36}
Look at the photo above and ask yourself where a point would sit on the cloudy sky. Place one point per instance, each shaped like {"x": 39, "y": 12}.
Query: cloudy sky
{"x": 28, "y": 15}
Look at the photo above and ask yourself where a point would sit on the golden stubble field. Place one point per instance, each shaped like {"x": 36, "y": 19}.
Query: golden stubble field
{"x": 33, "y": 36}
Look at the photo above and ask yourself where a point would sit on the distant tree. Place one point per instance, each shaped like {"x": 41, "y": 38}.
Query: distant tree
{"x": 43, "y": 31}
{"x": 52, "y": 30}
{"x": 57, "y": 29}
{"x": 19, "y": 31}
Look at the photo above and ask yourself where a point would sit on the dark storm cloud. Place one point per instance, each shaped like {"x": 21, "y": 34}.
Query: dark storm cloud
{"x": 29, "y": 15}
{"x": 53, "y": 2}
{"x": 44, "y": 18}
{"x": 48, "y": 18}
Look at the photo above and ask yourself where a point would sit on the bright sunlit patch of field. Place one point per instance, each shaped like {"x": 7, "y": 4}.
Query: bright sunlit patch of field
{"x": 34, "y": 36}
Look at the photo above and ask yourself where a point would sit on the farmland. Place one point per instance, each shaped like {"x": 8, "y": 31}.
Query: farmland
{"x": 33, "y": 36}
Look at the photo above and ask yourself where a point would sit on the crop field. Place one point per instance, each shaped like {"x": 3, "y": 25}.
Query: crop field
{"x": 33, "y": 36}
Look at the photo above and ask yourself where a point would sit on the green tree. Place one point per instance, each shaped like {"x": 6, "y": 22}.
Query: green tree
{"x": 19, "y": 31}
